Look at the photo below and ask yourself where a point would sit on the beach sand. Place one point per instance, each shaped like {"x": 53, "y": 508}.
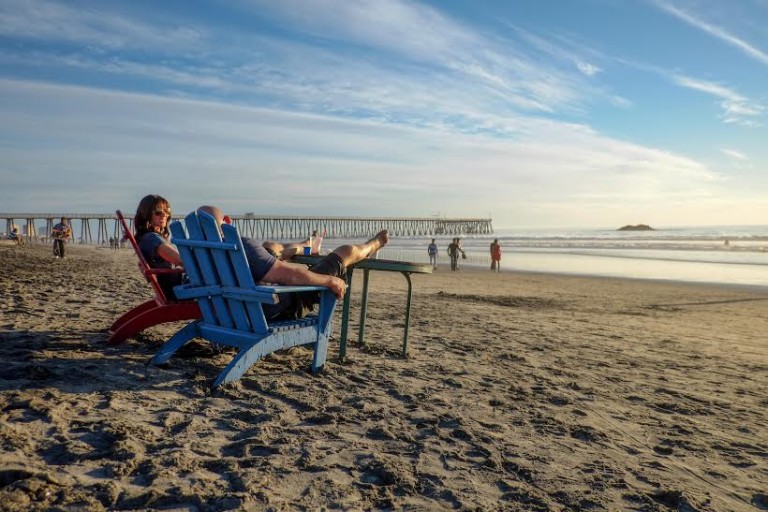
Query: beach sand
{"x": 521, "y": 392}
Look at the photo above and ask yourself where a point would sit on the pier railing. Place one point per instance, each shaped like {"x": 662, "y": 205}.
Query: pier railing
{"x": 99, "y": 228}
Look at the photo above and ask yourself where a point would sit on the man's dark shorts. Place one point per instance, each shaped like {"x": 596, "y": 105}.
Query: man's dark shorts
{"x": 304, "y": 302}
{"x": 330, "y": 265}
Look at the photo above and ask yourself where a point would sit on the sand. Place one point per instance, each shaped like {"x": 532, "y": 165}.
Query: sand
{"x": 521, "y": 392}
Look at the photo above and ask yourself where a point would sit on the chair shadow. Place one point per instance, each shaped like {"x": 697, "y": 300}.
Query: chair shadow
{"x": 82, "y": 361}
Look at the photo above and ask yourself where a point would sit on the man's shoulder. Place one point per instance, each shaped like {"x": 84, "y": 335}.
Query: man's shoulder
{"x": 254, "y": 247}
{"x": 250, "y": 242}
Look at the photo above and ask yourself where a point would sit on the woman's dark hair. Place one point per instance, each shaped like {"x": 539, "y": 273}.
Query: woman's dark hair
{"x": 142, "y": 222}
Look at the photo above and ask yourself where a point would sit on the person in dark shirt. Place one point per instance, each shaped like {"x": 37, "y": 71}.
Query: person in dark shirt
{"x": 151, "y": 230}
{"x": 61, "y": 232}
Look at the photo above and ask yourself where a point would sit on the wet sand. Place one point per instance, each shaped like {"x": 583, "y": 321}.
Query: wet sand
{"x": 521, "y": 392}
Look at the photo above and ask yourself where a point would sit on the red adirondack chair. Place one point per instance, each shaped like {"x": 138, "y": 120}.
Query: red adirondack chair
{"x": 153, "y": 312}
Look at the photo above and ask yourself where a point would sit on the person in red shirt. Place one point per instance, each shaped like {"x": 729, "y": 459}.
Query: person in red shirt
{"x": 496, "y": 255}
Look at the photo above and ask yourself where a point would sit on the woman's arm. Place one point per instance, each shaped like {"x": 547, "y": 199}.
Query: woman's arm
{"x": 169, "y": 253}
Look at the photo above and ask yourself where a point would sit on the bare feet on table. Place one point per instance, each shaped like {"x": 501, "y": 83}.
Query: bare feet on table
{"x": 380, "y": 240}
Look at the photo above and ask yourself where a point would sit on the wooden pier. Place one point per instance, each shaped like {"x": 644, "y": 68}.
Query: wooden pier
{"x": 98, "y": 228}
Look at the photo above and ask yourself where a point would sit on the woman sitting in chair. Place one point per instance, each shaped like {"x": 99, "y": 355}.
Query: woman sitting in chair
{"x": 151, "y": 225}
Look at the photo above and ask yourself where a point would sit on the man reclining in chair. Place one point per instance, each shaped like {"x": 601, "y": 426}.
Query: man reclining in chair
{"x": 329, "y": 271}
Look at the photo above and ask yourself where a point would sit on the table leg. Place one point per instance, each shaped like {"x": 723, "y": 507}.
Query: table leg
{"x": 407, "y": 314}
{"x": 345, "y": 317}
{"x": 363, "y": 309}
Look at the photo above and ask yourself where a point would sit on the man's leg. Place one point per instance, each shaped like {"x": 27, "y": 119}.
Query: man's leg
{"x": 274, "y": 248}
{"x": 285, "y": 251}
{"x": 291, "y": 250}
{"x": 351, "y": 254}
{"x": 336, "y": 263}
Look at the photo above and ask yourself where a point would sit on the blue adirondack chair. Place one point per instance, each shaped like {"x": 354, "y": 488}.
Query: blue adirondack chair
{"x": 231, "y": 303}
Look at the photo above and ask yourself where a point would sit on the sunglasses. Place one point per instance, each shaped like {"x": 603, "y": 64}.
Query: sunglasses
{"x": 159, "y": 212}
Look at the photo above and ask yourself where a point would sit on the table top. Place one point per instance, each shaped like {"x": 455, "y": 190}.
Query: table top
{"x": 375, "y": 264}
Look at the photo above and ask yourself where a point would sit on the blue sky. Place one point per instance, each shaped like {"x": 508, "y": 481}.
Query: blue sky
{"x": 537, "y": 113}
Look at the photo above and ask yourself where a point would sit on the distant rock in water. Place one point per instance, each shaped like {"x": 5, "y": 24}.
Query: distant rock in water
{"x": 637, "y": 227}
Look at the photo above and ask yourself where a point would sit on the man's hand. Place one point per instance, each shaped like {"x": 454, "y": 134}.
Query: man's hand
{"x": 295, "y": 274}
{"x": 338, "y": 286}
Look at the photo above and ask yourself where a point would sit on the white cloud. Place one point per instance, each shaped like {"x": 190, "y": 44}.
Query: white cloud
{"x": 99, "y": 25}
{"x": 718, "y": 32}
{"x": 119, "y": 146}
{"x": 736, "y": 108}
{"x": 736, "y": 155}
{"x": 587, "y": 68}
{"x": 425, "y": 42}
{"x": 388, "y": 105}
{"x": 408, "y": 63}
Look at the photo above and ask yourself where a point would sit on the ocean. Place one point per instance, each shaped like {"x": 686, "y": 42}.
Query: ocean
{"x": 727, "y": 255}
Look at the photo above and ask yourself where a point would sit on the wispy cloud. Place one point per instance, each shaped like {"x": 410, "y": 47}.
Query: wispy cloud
{"x": 736, "y": 108}
{"x": 713, "y": 30}
{"x": 423, "y": 38}
{"x": 736, "y": 155}
{"x": 561, "y": 48}
{"x": 97, "y": 25}
{"x": 117, "y": 144}
{"x": 400, "y": 61}
{"x": 587, "y": 68}
{"x": 394, "y": 103}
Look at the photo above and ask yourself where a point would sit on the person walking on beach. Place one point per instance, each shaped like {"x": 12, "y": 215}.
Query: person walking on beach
{"x": 432, "y": 252}
{"x": 454, "y": 248}
{"x": 330, "y": 271}
{"x": 496, "y": 255}
{"x": 61, "y": 232}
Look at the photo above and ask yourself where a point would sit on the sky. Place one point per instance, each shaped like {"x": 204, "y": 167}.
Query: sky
{"x": 535, "y": 113}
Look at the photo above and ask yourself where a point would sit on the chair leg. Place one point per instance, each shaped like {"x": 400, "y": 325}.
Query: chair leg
{"x": 324, "y": 327}
{"x": 141, "y": 308}
{"x": 321, "y": 353}
{"x": 243, "y": 360}
{"x": 177, "y": 341}
{"x": 158, "y": 315}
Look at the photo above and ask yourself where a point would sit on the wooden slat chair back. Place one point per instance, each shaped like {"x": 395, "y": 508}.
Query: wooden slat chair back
{"x": 220, "y": 281}
{"x": 153, "y": 312}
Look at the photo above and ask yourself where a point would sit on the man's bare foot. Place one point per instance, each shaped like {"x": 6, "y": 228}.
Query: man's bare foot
{"x": 380, "y": 240}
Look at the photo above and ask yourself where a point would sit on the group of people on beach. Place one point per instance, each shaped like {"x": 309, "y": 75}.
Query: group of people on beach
{"x": 61, "y": 232}
{"x": 267, "y": 260}
{"x": 455, "y": 251}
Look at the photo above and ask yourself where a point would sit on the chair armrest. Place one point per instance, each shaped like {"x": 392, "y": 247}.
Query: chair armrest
{"x": 264, "y": 294}
{"x": 280, "y": 288}
{"x": 157, "y": 271}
